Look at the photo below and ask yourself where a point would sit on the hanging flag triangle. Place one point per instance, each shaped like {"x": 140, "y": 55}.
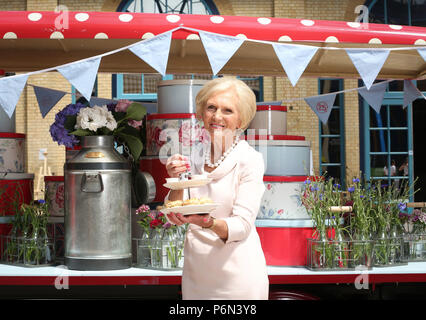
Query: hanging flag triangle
{"x": 322, "y": 105}
{"x": 411, "y": 93}
{"x": 219, "y": 49}
{"x": 95, "y": 101}
{"x": 294, "y": 59}
{"x": 368, "y": 63}
{"x": 10, "y": 91}
{"x": 82, "y": 75}
{"x": 47, "y": 98}
{"x": 375, "y": 95}
{"x": 154, "y": 51}
{"x": 422, "y": 52}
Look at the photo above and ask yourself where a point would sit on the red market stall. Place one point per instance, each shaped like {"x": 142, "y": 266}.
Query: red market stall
{"x": 37, "y": 42}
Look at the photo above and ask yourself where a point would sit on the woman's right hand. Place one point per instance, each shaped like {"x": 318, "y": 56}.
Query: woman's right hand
{"x": 176, "y": 165}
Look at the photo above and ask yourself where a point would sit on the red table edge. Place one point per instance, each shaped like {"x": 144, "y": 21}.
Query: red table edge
{"x": 176, "y": 280}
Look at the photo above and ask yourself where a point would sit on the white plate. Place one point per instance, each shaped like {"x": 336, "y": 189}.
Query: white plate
{"x": 191, "y": 209}
{"x": 178, "y": 185}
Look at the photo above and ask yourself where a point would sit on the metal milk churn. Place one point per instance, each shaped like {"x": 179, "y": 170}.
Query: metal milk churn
{"x": 97, "y": 207}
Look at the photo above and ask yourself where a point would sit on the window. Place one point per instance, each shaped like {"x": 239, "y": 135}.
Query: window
{"x": 389, "y": 138}
{"x": 331, "y": 135}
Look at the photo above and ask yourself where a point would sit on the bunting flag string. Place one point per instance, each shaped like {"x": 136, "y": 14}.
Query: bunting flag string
{"x": 47, "y": 98}
{"x": 82, "y": 75}
{"x": 368, "y": 63}
{"x": 219, "y": 49}
{"x": 294, "y": 59}
{"x": 322, "y": 105}
{"x": 375, "y": 95}
{"x": 10, "y": 91}
{"x": 411, "y": 93}
{"x": 155, "y": 51}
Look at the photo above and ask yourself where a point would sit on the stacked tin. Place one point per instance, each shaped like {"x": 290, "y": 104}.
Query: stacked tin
{"x": 282, "y": 222}
{"x": 16, "y": 186}
{"x": 167, "y": 130}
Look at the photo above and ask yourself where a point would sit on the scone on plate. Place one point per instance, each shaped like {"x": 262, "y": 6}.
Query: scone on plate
{"x": 205, "y": 200}
{"x": 172, "y": 204}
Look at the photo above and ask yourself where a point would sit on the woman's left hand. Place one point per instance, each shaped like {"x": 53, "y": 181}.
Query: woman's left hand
{"x": 202, "y": 220}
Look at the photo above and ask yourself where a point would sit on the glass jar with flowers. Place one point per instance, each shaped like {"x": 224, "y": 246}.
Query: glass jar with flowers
{"x": 161, "y": 243}
{"x": 415, "y": 234}
{"x": 29, "y": 243}
{"x": 329, "y": 247}
{"x": 361, "y": 223}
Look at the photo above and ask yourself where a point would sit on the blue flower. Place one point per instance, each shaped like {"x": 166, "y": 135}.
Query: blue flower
{"x": 402, "y": 206}
{"x": 355, "y": 180}
{"x": 351, "y": 189}
{"x": 336, "y": 185}
{"x": 307, "y": 181}
{"x": 41, "y": 201}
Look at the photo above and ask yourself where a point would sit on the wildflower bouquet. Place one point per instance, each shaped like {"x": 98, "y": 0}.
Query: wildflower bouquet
{"x": 318, "y": 196}
{"x": 122, "y": 120}
{"x": 29, "y": 242}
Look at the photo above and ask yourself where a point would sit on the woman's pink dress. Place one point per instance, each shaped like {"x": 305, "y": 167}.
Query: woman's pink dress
{"x": 235, "y": 269}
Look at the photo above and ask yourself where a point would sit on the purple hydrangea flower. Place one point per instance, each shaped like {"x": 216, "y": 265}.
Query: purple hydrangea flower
{"x": 57, "y": 129}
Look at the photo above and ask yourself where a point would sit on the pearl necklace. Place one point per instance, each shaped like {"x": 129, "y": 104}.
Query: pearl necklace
{"x": 224, "y": 155}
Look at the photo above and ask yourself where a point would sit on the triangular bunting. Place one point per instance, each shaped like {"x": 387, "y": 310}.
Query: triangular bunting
{"x": 422, "y": 52}
{"x": 375, "y": 95}
{"x": 155, "y": 51}
{"x": 95, "y": 101}
{"x": 82, "y": 75}
{"x": 322, "y": 105}
{"x": 294, "y": 59}
{"x": 368, "y": 63}
{"x": 411, "y": 93}
{"x": 219, "y": 49}
{"x": 10, "y": 91}
{"x": 47, "y": 98}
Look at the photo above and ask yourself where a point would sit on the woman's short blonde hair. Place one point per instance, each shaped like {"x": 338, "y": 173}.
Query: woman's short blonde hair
{"x": 246, "y": 104}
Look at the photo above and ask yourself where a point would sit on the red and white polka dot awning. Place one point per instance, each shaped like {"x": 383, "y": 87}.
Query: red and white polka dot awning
{"x": 31, "y": 41}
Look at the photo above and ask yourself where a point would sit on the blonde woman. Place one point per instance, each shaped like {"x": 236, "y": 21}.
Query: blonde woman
{"x": 223, "y": 254}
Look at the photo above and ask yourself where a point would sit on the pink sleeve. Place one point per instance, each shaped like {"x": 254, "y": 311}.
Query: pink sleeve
{"x": 249, "y": 195}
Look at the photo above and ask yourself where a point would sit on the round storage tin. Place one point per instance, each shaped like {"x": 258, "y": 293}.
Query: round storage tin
{"x": 12, "y": 152}
{"x": 283, "y": 155}
{"x": 55, "y": 192}
{"x": 285, "y": 242}
{"x": 271, "y": 119}
{"x": 16, "y": 188}
{"x": 281, "y": 199}
{"x": 178, "y": 96}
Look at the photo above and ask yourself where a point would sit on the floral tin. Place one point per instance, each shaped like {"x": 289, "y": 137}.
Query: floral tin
{"x": 12, "y": 152}
{"x": 281, "y": 200}
{"x": 54, "y": 186}
{"x": 164, "y": 129}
